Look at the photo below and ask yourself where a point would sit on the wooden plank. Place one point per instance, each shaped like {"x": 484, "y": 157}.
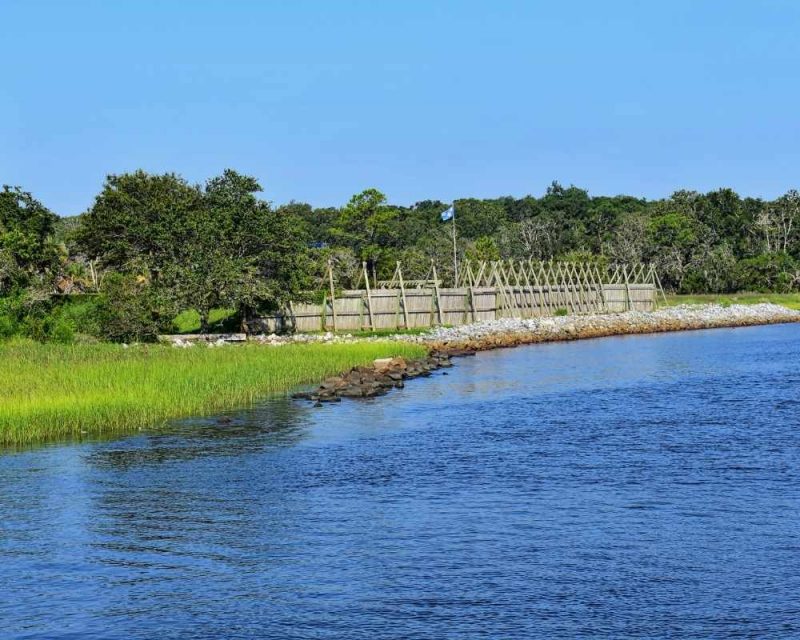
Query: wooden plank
{"x": 403, "y": 295}
{"x": 369, "y": 297}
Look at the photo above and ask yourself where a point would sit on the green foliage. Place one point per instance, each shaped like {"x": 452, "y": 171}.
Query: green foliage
{"x": 161, "y": 248}
{"x": 129, "y": 310}
{"x": 712, "y": 270}
{"x": 9, "y": 326}
{"x": 27, "y": 251}
{"x": 189, "y": 321}
{"x": 139, "y": 223}
{"x": 62, "y": 331}
{"x": 768, "y": 272}
{"x": 560, "y": 312}
{"x": 199, "y": 248}
{"x": 484, "y": 248}
{"x": 370, "y": 228}
{"x": 476, "y": 218}
{"x": 58, "y": 319}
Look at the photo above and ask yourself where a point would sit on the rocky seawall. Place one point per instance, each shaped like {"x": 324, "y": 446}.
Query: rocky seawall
{"x": 378, "y": 379}
{"x": 511, "y": 332}
{"x": 444, "y": 343}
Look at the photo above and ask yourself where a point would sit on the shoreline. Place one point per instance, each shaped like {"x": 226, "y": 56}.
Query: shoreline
{"x": 117, "y": 389}
{"x": 446, "y": 343}
{"x": 59, "y": 392}
{"x": 511, "y": 332}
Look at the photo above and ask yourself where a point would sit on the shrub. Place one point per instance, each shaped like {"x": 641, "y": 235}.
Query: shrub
{"x": 8, "y": 326}
{"x": 127, "y": 310}
{"x": 767, "y": 272}
{"x": 61, "y": 330}
{"x": 82, "y": 313}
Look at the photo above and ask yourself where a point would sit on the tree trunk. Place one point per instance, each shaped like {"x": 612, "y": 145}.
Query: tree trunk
{"x": 204, "y": 321}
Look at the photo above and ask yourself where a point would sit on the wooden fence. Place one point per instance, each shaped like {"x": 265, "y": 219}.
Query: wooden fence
{"x": 486, "y": 293}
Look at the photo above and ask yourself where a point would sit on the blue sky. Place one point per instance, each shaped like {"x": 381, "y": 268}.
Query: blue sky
{"x": 433, "y": 99}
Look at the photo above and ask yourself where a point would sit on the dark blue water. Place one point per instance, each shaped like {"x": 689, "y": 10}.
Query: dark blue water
{"x": 638, "y": 487}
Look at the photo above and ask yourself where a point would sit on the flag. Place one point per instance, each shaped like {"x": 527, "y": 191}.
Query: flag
{"x": 448, "y": 215}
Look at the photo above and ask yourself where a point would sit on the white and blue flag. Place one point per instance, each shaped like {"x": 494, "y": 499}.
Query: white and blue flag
{"x": 448, "y": 215}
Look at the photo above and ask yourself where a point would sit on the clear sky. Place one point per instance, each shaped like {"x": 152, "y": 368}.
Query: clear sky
{"x": 421, "y": 99}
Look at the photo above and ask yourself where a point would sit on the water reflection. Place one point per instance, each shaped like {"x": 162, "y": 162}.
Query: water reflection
{"x": 274, "y": 424}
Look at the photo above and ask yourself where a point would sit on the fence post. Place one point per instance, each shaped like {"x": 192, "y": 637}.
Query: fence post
{"x": 403, "y": 294}
{"x": 629, "y": 304}
{"x": 333, "y": 294}
{"x": 438, "y": 297}
{"x": 369, "y": 297}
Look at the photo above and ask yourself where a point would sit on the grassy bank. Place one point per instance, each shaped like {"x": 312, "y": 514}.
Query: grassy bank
{"x": 789, "y": 300}
{"x": 51, "y": 391}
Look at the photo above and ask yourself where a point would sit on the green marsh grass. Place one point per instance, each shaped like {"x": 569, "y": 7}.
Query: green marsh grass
{"x": 789, "y": 300}
{"x": 50, "y": 391}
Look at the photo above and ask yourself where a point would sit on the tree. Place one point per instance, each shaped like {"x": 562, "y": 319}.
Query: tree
{"x": 569, "y": 208}
{"x": 240, "y": 253}
{"x": 531, "y": 238}
{"x": 604, "y": 215}
{"x": 483, "y": 249}
{"x": 671, "y": 240}
{"x": 786, "y": 217}
{"x": 27, "y": 250}
{"x": 418, "y": 221}
{"x": 139, "y": 223}
{"x": 200, "y": 248}
{"x": 711, "y": 270}
{"x": 476, "y": 218}
{"x": 768, "y": 272}
{"x": 126, "y": 309}
{"x": 628, "y": 243}
{"x": 369, "y": 227}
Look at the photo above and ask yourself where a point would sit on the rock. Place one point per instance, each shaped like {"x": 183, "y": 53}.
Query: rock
{"x": 507, "y": 332}
{"x": 351, "y": 391}
{"x": 371, "y": 392}
{"x": 331, "y": 384}
{"x": 381, "y": 364}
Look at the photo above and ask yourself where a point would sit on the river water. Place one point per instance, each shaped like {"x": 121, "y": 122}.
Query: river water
{"x": 633, "y": 487}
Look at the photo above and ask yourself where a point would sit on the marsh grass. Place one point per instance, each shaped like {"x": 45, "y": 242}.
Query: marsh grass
{"x": 789, "y": 300}
{"x": 50, "y": 391}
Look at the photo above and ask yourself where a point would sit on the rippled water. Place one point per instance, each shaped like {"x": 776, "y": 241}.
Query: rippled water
{"x": 642, "y": 487}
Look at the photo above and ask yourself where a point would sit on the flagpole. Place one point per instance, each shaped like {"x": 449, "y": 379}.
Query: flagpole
{"x": 455, "y": 252}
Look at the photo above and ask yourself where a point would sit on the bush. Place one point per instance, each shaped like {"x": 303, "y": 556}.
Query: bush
{"x": 8, "y": 326}
{"x": 767, "y": 272}
{"x": 82, "y": 313}
{"x": 61, "y": 330}
{"x": 127, "y": 310}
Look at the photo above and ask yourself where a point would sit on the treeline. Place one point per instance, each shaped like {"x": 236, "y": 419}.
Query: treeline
{"x": 153, "y": 246}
